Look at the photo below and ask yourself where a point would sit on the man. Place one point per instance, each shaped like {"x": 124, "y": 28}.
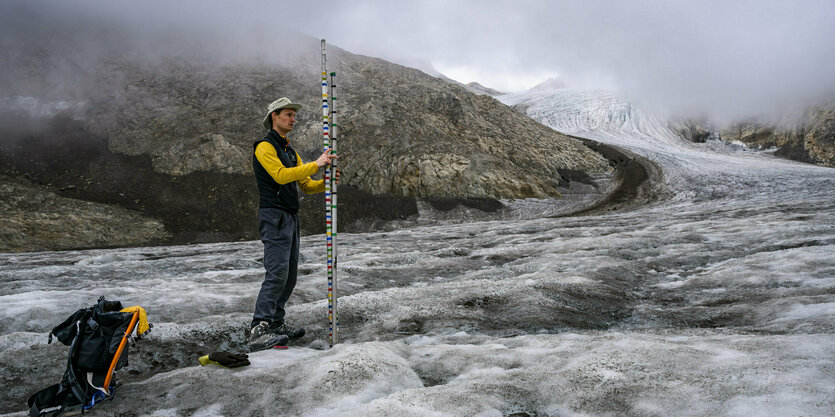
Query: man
{"x": 279, "y": 172}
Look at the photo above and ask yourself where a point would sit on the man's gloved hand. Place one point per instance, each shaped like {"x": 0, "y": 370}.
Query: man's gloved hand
{"x": 227, "y": 359}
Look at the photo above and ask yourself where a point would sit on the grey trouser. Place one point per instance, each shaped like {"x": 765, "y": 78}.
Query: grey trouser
{"x": 280, "y": 234}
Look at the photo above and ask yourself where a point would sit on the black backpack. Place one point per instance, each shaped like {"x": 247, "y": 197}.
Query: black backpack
{"x": 94, "y": 336}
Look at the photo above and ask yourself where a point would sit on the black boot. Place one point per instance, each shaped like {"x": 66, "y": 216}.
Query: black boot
{"x": 262, "y": 337}
{"x": 288, "y": 330}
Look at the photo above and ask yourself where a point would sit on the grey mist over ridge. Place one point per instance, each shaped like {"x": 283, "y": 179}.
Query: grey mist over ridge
{"x": 62, "y": 45}
{"x": 725, "y": 60}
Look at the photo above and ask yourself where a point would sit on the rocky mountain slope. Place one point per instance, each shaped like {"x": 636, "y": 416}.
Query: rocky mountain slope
{"x": 402, "y": 132}
{"x": 168, "y": 136}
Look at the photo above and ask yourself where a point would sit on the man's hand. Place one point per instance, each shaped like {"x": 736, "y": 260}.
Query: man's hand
{"x": 336, "y": 176}
{"x": 325, "y": 159}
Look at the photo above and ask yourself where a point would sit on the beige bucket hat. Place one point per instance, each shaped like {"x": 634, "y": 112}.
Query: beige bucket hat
{"x": 282, "y": 103}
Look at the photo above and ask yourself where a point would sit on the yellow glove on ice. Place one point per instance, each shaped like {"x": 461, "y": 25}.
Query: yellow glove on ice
{"x": 227, "y": 359}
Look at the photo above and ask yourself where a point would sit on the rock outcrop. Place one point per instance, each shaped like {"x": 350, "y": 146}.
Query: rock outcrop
{"x": 694, "y": 130}
{"x": 808, "y": 137}
{"x": 805, "y": 136}
{"x": 35, "y": 219}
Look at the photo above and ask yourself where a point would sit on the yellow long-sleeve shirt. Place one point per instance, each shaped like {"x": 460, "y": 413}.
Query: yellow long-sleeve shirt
{"x": 268, "y": 158}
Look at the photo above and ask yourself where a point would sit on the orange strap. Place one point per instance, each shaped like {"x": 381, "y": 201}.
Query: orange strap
{"x": 119, "y": 351}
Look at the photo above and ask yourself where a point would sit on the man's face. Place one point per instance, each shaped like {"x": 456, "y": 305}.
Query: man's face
{"x": 283, "y": 120}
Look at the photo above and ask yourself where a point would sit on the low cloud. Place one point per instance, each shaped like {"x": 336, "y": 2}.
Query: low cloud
{"x": 723, "y": 59}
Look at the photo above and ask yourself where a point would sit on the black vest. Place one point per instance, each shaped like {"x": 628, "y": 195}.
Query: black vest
{"x": 273, "y": 194}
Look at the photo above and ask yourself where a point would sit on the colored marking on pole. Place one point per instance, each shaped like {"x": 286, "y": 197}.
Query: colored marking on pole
{"x": 329, "y": 128}
{"x": 334, "y": 227}
{"x": 329, "y": 227}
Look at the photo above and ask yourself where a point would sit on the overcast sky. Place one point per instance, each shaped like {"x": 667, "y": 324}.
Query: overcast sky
{"x": 715, "y": 56}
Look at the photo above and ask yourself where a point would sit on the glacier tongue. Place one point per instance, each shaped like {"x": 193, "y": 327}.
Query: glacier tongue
{"x": 690, "y": 169}
{"x": 595, "y": 113}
